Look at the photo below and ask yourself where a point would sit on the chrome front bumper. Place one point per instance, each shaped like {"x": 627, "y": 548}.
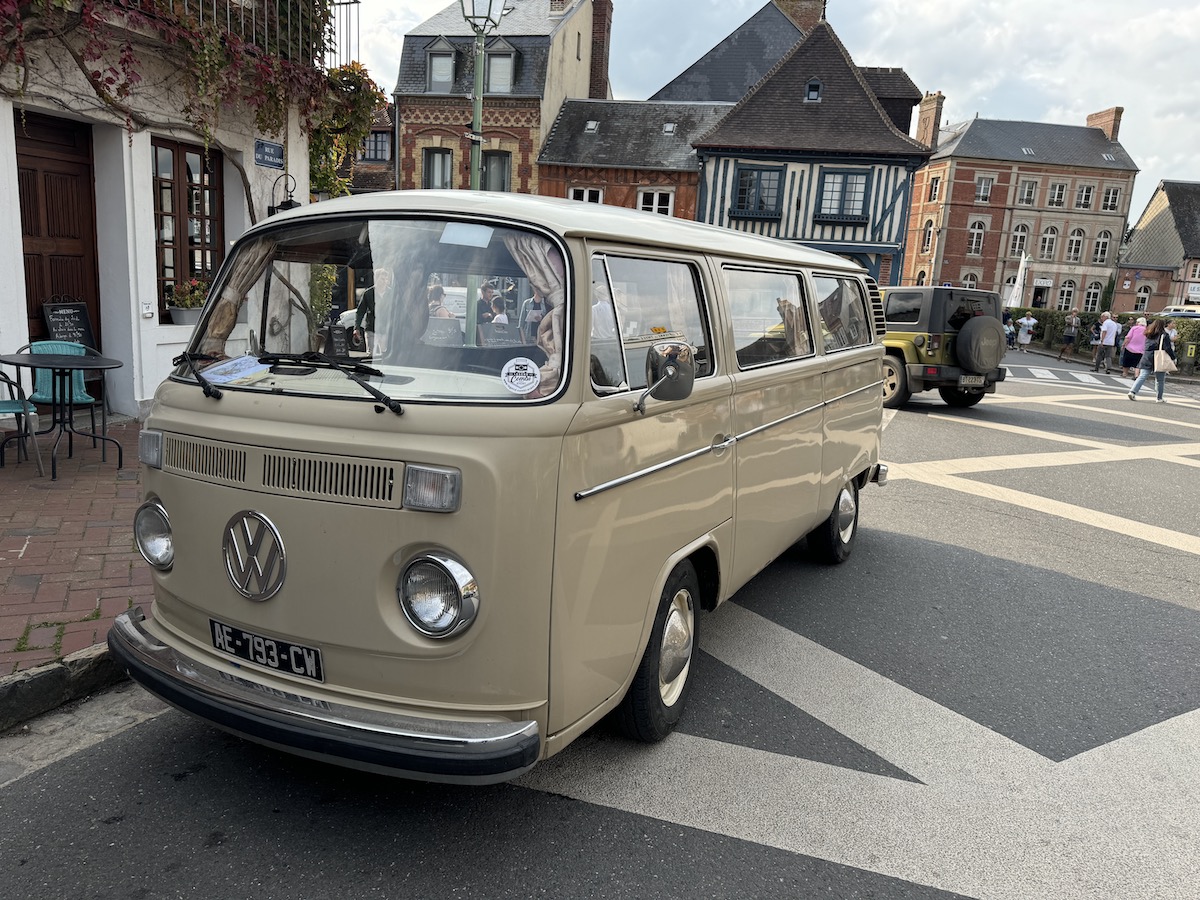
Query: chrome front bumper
{"x": 407, "y": 746}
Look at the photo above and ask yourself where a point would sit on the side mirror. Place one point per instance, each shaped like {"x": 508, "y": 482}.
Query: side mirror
{"x": 670, "y": 372}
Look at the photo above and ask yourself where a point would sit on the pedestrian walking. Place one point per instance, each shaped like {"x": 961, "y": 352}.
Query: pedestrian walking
{"x": 1108, "y": 341}
{"x": 1070, "y": 331}
{"x": 1025, "y": 333}
{"x": 1156, "y": 339}
{"x": 1132, "y": 347}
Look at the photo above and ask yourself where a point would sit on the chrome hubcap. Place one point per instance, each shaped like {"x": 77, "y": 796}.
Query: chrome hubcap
{"x": 675, "y": 654}
{"x": 846, "y": 509}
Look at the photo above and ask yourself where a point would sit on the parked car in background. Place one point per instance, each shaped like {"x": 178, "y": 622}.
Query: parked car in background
{"x": 944, "y": 338}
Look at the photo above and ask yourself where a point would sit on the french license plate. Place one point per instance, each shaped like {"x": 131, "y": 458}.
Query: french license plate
{"x": 970, "y": 381}
{"x": 271, "y": 653}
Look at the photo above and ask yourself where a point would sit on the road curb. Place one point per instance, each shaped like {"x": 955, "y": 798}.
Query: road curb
{"x": 31, "y": 692}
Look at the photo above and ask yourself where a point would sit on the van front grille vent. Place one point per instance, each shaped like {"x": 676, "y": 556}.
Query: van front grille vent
{"x": 206, "y": 459}
{"x": 331, "y": 478}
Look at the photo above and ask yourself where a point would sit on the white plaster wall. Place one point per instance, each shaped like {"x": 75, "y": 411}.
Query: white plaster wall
{"x": 125, "y": 214}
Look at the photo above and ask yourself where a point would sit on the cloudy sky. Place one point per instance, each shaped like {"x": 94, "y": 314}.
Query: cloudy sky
{"x": 1032, "y": 60}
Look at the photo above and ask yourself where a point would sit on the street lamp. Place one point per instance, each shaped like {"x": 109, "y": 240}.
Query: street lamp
{"x": 289, "y": 186}
{"x": 483, "y": 16}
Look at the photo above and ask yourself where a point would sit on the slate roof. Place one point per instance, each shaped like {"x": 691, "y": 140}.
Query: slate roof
{"x": 1058, "y": 145}
{"x": 848, "y": 119}
{"x": 629, "y": 134}
{"x": 529, "y": 75}
{"x": 890, "y": 83}
{"x": 528, "y": 28}
{"x": 1184, "y": 200}
{"x": 730, "y": 69}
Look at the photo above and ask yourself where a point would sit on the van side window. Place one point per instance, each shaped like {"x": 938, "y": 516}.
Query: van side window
{"x": 770, "y": 319}
{"x": 652, "y": 300}
{"x": 843, "y": 309}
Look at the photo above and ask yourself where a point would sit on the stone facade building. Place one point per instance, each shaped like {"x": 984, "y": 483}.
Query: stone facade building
{"x": 995, "y": 190}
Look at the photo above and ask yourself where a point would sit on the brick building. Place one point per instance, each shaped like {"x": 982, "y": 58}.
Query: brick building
{"x": 543, "y": 52}
{"x": 995, "y": 190}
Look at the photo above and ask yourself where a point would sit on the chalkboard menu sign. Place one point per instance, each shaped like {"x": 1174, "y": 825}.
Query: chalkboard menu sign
{"x": 69, "y": 322}
{"x": 335, "y": 341}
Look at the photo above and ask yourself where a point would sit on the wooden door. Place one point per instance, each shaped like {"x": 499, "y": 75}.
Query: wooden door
{"x": 58, "y": 215}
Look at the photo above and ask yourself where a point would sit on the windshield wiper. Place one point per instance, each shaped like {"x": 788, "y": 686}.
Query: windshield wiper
{"x": 353, "y": 370}
{"x": 210, "y": 390}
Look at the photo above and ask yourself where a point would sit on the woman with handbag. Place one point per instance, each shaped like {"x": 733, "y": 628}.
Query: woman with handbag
{"x": 1159, "y": 358}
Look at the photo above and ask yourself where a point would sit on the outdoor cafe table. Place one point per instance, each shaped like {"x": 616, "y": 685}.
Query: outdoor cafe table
{"x": 63, "y": 365}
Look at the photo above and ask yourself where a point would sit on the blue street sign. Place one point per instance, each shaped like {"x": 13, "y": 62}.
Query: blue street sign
{"x": 269, "y": 154}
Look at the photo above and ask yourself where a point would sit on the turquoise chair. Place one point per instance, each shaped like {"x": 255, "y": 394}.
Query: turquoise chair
{"x": 43, "y": 381}
{"x": 17, "y": 406}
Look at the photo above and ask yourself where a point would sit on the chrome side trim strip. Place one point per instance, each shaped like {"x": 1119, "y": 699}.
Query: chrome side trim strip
{"x": 642, "y": 473}
{"x": 877, "y": 385}
{"x": 761, "y": 428}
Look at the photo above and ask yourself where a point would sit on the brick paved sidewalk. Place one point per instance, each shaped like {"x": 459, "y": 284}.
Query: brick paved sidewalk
{"x": 68, "y": 565}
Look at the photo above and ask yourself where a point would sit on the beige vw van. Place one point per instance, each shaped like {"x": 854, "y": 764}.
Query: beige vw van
{"x": 448, "y": 555}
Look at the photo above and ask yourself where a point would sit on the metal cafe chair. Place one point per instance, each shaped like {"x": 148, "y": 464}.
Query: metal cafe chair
{"x": 17, "y": 406}
{"x": 43, "y": 382}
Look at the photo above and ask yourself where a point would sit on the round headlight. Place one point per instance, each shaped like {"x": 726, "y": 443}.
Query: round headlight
{"x": 438, "y": 596}
{"x": 152, "y": 530}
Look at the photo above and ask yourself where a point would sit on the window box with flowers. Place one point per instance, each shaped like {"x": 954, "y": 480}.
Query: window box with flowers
{"x": 186, "y": 300}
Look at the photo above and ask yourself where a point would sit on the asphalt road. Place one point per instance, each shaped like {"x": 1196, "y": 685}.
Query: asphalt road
{"x": 997, "y": 696}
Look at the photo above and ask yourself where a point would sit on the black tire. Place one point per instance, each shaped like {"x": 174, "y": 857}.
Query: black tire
{"x": 655, "y": 701}
{"x": 960, "y": 398}
{"x": 895, "y": 383}
{"x": 832, "y": 541}
{"x": 980, "y": 344}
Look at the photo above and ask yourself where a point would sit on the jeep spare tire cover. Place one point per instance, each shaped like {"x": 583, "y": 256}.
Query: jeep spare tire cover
{"x": 980, "y": 344}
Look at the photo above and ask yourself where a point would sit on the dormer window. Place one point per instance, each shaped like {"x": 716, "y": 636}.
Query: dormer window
{"x": 440, "y": 67}
{"x": 812, "y": 91}
{"x": 501, "y": 67}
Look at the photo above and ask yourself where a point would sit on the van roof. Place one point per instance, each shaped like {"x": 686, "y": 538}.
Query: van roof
{"x": 572, "y": 218}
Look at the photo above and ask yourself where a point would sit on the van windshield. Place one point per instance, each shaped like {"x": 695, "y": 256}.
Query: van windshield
{"x": 419, "y": 308}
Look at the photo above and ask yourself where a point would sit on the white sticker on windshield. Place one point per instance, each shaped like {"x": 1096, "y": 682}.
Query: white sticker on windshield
{"x": 521, "y": 375}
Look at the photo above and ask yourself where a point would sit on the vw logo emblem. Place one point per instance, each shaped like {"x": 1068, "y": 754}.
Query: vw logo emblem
{"x": 254, "y": 557}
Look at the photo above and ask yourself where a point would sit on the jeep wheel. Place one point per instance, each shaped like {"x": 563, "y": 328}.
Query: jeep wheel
{"x": 895, "y": 383}
{"x": 980, "y": 344}
{"x": 960, "y": 398}
{"x": 832, "y": 540}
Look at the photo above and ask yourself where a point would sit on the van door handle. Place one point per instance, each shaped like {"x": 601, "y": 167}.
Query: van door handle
{"x": 722, "y": 442}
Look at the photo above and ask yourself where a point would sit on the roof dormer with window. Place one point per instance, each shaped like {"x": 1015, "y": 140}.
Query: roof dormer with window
{"x": 500, "y": 67}
{"x": 439, "y": 67}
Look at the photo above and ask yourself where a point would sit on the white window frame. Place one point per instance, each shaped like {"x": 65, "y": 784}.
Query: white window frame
{"x": 983, "y": 188}
{"x": 440, "y": 86}
{"x": 1075, "y": 245}
{"x": 1142, "y": 302}
{"x": 1049, "y": 242}
{"x": 1112, "y": 199}
{"x": 1020, "y": 240}
{"x": 1028, "y": 193}
{"x": 1084, "y": 195}
{"x": 1091, "y": 299}
{"x": 1100, "y": 253}
{"x": 1195, "y": 276}
{"x": 587, "y": 194}
{"x": 662, "y": 202}
{"x": 927, "y": 236}
{"x": 429, "y": 169}
{"x": 970, "y": 280}
{"x": 500, "y": 78}
{"x": 935, "y": 187}
{"x": 975, "y": 234}
{"x": 1066, "y": 294}
{"x": 1057, "y": 195}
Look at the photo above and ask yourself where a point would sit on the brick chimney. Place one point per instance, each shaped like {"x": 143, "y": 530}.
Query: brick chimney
{"x": 804, "y": 13}
{"x": 929, "y": 119}
{"x": 602, "y": 13}
{"x": 558, "y": 7}
{"x": 1108, "y": 121}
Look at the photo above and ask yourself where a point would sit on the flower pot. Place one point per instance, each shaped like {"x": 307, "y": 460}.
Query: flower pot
{"x": 185, "y": 315}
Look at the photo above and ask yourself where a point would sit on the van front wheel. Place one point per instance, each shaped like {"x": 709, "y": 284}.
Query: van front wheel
{"x": 656, "y": 698}
{"x": 832, "y": 540}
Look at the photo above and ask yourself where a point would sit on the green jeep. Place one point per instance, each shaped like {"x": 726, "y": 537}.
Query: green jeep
{"x": 947, "y": 338}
